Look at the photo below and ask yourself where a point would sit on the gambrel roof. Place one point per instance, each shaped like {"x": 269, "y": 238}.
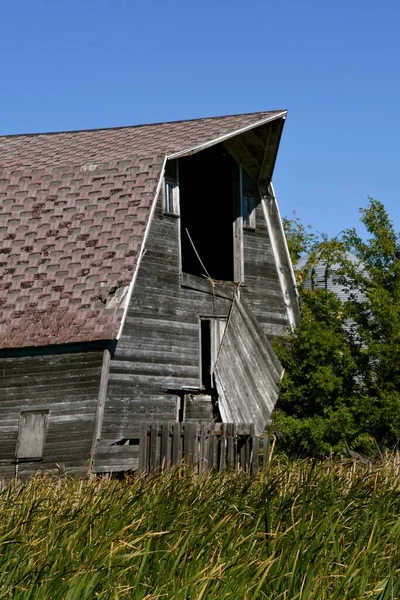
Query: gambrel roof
{"x": 74, "y": 212}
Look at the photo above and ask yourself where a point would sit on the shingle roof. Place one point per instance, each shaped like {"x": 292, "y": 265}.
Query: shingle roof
{"x": 74, "y": 209}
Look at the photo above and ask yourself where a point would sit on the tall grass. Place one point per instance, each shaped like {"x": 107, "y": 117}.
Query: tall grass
{"x": 297, "y": 531}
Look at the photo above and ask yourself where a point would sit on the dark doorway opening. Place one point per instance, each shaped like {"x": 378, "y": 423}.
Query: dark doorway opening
{"x": 208, "y": 189}
{"x": 205, "y": 347}
{"x": 211, "y": 333}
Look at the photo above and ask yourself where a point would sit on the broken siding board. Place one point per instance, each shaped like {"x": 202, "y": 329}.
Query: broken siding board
{"x": 101, "y": 400}
{"x": 247, "y": 371}
{"x": 281, "y": 253}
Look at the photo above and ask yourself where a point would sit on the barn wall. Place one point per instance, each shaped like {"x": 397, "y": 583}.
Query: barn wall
{"x": 67, "y": 385}
{"x": 262, "y": 288}
{"x": 159, "y": 349}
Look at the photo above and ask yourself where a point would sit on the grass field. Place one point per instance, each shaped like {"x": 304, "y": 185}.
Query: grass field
{"x": 298, "y": 530}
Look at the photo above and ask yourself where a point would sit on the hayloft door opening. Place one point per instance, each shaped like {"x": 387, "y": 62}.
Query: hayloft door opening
{"x": 208, "y": 187}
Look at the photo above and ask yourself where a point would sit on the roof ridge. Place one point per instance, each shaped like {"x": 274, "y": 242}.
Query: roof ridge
{"x": 121, "y": 127}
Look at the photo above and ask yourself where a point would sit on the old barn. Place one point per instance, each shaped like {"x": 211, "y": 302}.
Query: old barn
{"x": 143, "y": 272}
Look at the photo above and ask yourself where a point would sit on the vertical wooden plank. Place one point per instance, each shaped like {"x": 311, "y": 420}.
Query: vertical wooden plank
{"x": 222, "y": 443}
{"x": 165, "y": 446}
{"x": 238, "y": 266}
{"x": 101, "y": 400}
{"x": 249, "y": 447}
{"x": 153, "y": 446}
{"x": 255, "y": 465}
{"x": 189, "y": 439}
{"x": 176, "y": 435}
{"x": 202, "y": 448}
{"x": 212, "y": 446}
{"x": 266, "y": 450}
{"x": 195, "y": 439}
{"x": 230, "y": 441}
{"x": 159, "y": 458}
{"x": 197, "y": 447}
{"x": 143, "y": 448}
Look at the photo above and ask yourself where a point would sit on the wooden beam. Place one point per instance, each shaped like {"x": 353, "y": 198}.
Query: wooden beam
{"x": 101, "y": 401}
{"x": 249, "y": 154}
{"x": 253, "y": 135}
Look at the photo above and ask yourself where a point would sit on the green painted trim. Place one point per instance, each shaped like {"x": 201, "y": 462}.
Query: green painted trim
{"x": 59, "y": 349}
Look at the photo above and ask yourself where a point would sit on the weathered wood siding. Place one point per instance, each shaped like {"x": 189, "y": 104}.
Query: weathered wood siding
{"x": 67, "y": 385}
{"x": 262, "y": 288}
{"x": 160, "y": 346}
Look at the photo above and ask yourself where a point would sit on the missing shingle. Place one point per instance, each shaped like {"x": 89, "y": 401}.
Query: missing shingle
{"x": 91, "y": 167}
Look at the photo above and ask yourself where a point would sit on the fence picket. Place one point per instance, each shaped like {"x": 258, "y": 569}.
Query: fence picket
{"x": 165, "y": 446}
{"x": 176, "y": 439}
{"x": 143, "y": 452}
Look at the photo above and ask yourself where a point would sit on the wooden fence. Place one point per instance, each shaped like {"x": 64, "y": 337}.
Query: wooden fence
{"x": 215, "y": 446}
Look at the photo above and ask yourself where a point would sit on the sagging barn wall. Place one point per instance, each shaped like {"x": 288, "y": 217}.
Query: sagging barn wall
{"x": 48, "y": 406}
{"x": 159, "y": 351}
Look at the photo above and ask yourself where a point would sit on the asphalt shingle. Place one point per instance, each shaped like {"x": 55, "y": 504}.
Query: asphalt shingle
{"x": 74, "y": 209}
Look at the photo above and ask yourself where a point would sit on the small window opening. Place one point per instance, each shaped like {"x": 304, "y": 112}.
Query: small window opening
{"x": 205, "y": 346}
{"x": 211, "y": 333}
{"x": 250, "y": 198}
{"x": 171, "y": 188}
{"x": 31, "y": 435}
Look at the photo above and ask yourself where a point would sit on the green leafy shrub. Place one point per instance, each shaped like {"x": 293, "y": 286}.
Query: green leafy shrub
{"x": 342, "y": 381}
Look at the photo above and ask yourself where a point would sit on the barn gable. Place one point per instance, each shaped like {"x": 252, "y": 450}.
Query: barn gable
{"x": 93, "y": 260}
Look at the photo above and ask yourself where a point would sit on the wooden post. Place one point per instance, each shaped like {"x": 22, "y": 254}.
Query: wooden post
{"x": 249, "y": 448}
{"x": 212, "y": 447}
{"x": 153, "y": 447}
{"x": 255, "y": 455}
{"x": 222, "y": 441}
{"x": 101, "y": 400}
{"x": 203, "y": 449}
{"x": 189, "y": 439}
{"x": 230, "y": 442}
{"x": 265, "y": 450}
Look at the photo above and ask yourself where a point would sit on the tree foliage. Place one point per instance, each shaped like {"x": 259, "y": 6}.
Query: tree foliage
{"x": 300, "y": 238}
{"x": 342, "y": 380}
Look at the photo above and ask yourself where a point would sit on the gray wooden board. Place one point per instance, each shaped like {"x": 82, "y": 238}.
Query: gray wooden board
{"x": 247, "y": 371}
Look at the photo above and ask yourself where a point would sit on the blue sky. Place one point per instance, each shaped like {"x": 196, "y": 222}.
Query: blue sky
{"x": 334, "y": 65}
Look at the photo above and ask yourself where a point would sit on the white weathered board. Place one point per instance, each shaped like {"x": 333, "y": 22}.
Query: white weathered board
{"x": 31, "y": 434}
{"x": 247, "y": 371}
